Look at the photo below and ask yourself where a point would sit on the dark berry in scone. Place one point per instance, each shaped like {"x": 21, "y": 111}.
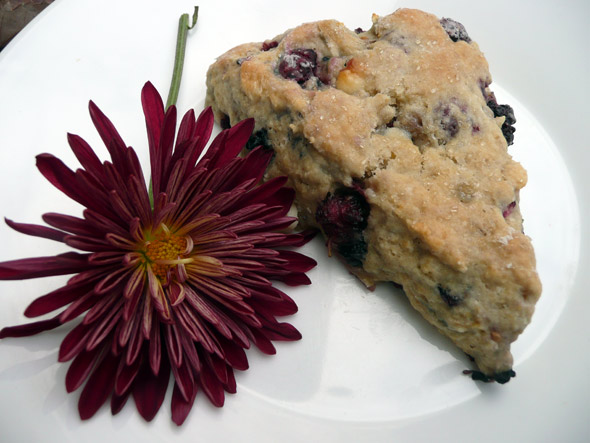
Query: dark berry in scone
{"x": 343, "y": 218}
{"x": 455, "y": 30}
{"x": 397, "y": 150}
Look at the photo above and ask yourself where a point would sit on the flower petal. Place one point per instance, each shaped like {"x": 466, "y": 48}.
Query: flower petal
{"x": 298, "y": 239}
{"x": 73, "y": 225}
{"x": 36, "y": 230}
{"x": 183, "y": 375}
{"x": 219, "y": 154}
{"x": 60, "y": 176}
{"x": 118, "y": 402}
{"x": 155, "y": 348}
{"x": 281, "y": 331}
{"x": 81, "y": 367}
{"x": 87, "y": 244}
{"x": 79, "y": 306}
{"x": 181, "y": 407}
{"x": 164, "y": 151}
{"x": 251, "y": 168}
{"x": 113, "y": 279}
{"x": 63, "y": 264}
{"x": 212, "y": 387}
{"x": 262, "y": 193}
{"x": 153, "y": 109}
{"x": 86, "y": 156}
{"x": 74, "y": 342}
{"x": 104, "y": 306}
{"x": 157, "y": 296}
{"x": 262, "y": 342}
{"x": 135, "y": 342}
{"x": 109, "y": 134}
{"x": 29, "y": 329}
{"x": 104, "y": 327}
{"x": 292, "y": 278}
{"x": 298, "y": 262}
{"x": 173, "y": 345}
{"x": 126, "y": 375}
{"x": 58, "y": 298}
{"x": 98, "y": 387}
{"x": 186, "y": 134}
{"x": 176, "y": 292}
{"x": 234, "y": 354}
{"x": 203, "y": 130}
{"x": 149, "y": 390}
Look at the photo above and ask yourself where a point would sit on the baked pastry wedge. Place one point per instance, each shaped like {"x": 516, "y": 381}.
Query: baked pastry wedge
{"x": 397, "y": 150}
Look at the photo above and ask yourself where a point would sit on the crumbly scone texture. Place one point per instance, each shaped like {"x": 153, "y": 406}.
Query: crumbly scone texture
{"x": 393, "y": 125}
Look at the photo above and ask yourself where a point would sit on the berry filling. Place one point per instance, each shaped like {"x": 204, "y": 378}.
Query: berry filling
{"x": 343, "y": 217}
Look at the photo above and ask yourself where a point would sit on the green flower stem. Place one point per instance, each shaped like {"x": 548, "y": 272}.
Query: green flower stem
{"x": 183, "y": 28}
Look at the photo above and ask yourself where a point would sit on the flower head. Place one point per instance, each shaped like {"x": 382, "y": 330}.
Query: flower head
{"x": 175, "y": 284}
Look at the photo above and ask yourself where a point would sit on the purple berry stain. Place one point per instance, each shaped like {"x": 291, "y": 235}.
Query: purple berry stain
{"x": 449, "y": 122}
{"x": 506, "y": 212}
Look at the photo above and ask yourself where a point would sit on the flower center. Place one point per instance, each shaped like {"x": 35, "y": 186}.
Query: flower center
{"x": 164, "y": 252}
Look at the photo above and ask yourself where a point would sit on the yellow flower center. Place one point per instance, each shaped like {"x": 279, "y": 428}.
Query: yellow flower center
{"x": 164, "y": 252}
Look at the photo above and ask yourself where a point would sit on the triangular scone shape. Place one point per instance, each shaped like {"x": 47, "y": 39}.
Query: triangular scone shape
{"x": 397, "y": 150}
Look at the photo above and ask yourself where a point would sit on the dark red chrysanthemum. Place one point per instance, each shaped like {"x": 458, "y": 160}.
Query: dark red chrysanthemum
{"x": 179, "y": 285}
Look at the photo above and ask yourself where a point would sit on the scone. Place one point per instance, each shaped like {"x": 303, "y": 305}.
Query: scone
{"x": 397, "y": 150}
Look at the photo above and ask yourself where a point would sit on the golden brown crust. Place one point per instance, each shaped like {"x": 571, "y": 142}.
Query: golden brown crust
{"x": 400, "y": 112}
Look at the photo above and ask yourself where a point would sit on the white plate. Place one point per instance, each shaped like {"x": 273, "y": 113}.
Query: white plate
{"x": 368, "y": 367}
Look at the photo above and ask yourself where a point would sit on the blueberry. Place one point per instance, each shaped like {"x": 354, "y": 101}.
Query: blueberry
{"x": 353, "y": 251}
{"x": 504, "y": 377}
{"x": 448, "y": 121}
{"x": 241, "y": 60}
{"x": 500, "y": 377}
{"x": 508, "y": 133}
{"x": 505, "y": 111}
{"x": 224, "y": 122}
{"x": 455, "y": 30}
{"x": 343, "y": 217}
{"x": 298, "y": 65}
{"x": 478, "y": 376}
{"x": 450, "y": 299}
{"x": 259, "y": 138}
{"x": 343, "y": 213}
